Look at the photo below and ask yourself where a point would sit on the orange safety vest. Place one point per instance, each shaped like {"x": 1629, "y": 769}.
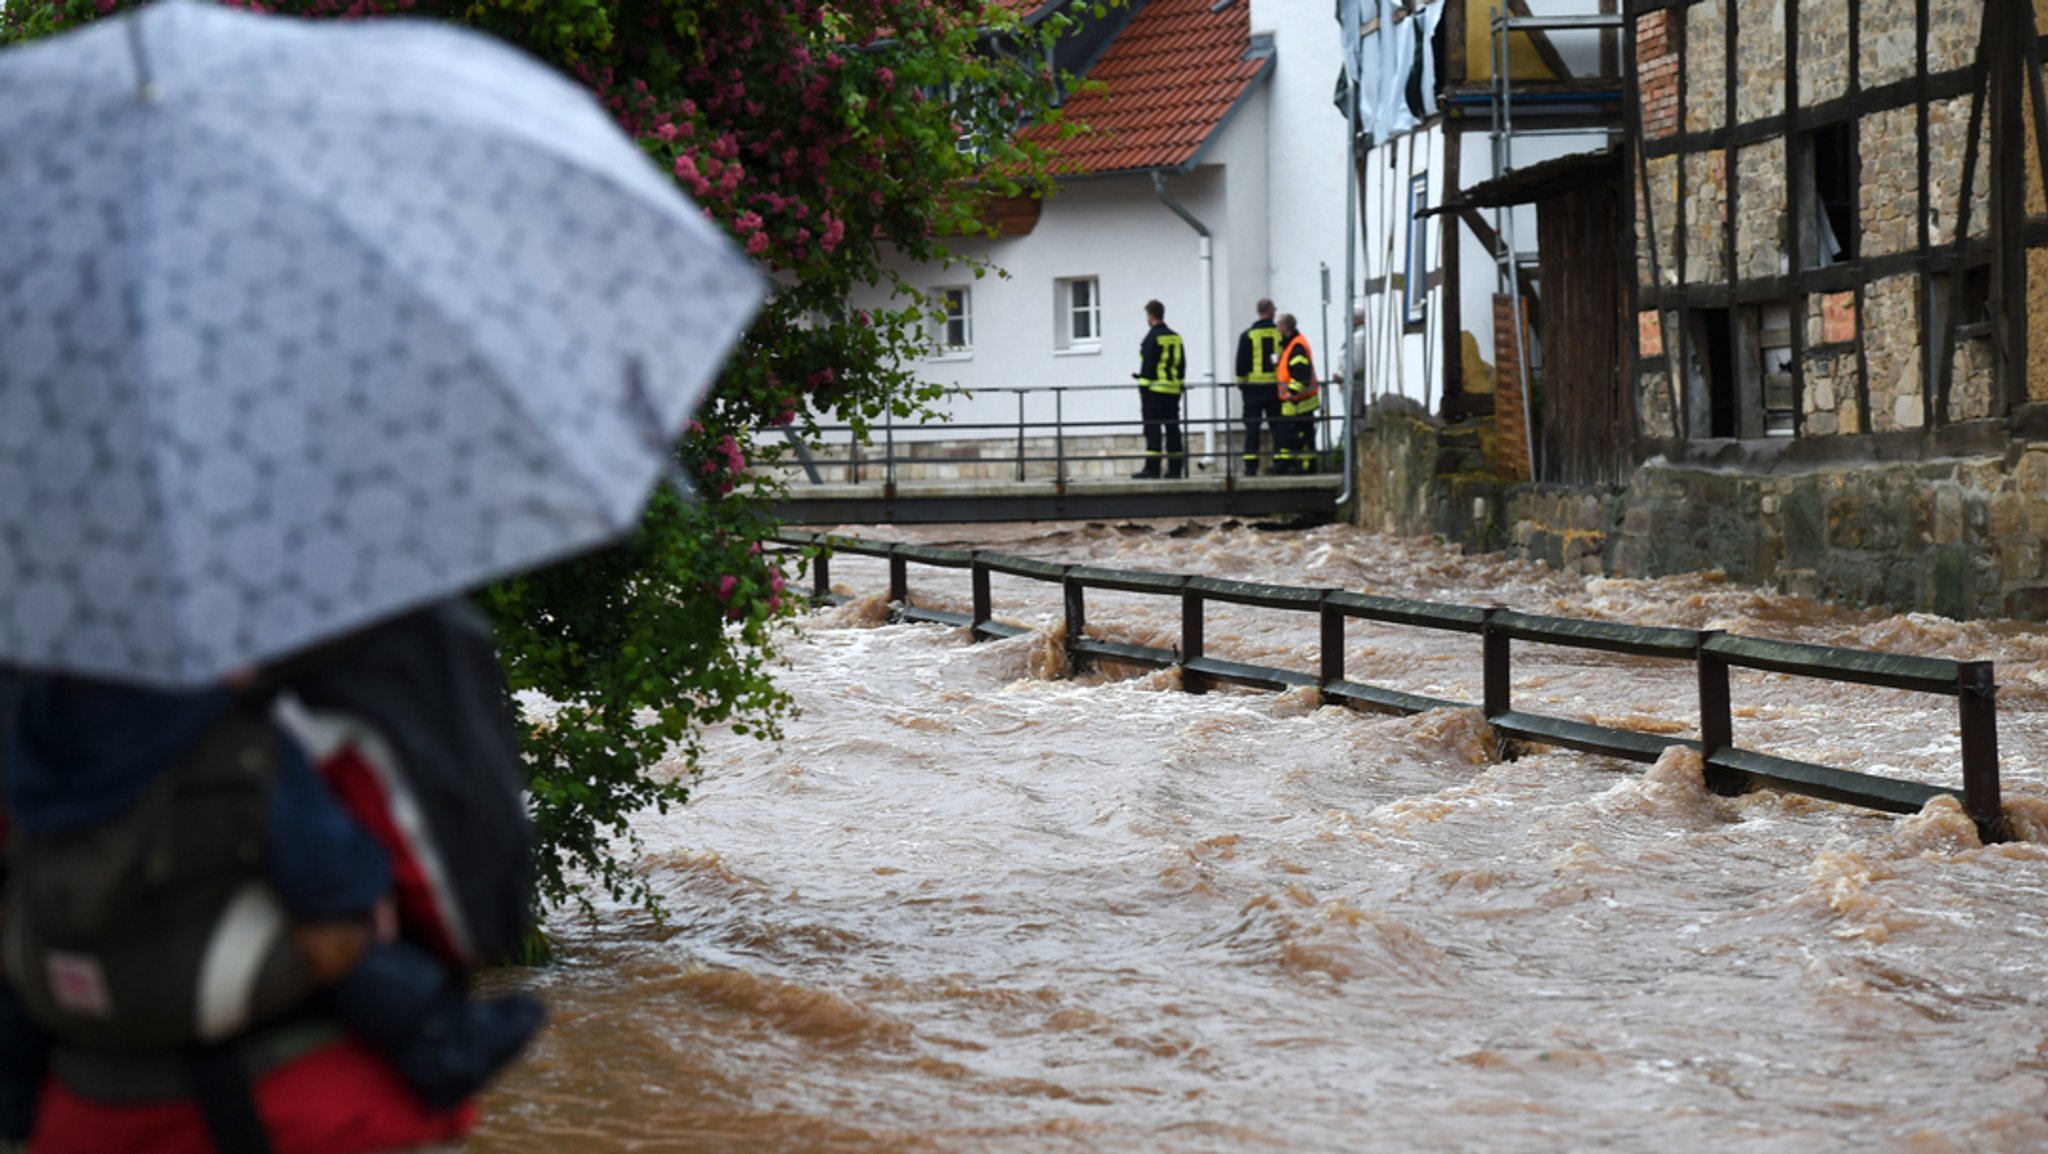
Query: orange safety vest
{"x": 1297, "y": 396}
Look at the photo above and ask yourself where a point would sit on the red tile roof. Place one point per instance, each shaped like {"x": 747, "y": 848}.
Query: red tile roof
{"x": 1168, "y": 82}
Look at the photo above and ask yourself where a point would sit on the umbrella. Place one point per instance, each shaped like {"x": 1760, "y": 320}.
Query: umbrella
{"x": 303, "y": 324}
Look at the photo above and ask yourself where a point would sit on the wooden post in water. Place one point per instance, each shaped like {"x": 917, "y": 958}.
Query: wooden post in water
{"x": 1072, "y": 592}
{"x": 1977, "y": 698}
{"x": 899, "y": 580}
{"x": 1493, "y": 647}
{"x": 1191, "y": 641}
{"x": 984, "y": 608}
{"x": 821, "y": 575}
{"x": 1717, "y": 721}
{"x": 1333, "y": 641}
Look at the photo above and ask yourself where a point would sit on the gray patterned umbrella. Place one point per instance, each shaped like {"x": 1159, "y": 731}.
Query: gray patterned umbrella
{"x": 306, "y": 323}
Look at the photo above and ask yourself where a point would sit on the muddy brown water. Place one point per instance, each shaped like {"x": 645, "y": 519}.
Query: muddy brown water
{"x": 970, "y": 905}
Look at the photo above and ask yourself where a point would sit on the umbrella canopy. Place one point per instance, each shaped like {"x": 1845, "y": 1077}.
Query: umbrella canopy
{"x": 303, "y": 324}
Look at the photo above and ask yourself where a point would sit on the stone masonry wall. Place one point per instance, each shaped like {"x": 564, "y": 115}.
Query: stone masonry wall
{"x": 1886, "y": 49}
{"x": 1890, "y": 195}
{"x": 1823, "y": 54}
{"x": 1760, "y": 77}
{"x": 1891, "y": 353}
{"x": 1962, "y": 537}
{"x": 1706, "y": 51}
{"x": 1830, "y": 403}
{"x": 1760, "y": 241}
{"x": 1706, "y": 212}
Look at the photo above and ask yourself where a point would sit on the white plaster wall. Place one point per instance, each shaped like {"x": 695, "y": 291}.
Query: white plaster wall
{"x": 1115, "y": 229}
{"x": 1306, "y": 133}
{"x": 1398, "y": 361}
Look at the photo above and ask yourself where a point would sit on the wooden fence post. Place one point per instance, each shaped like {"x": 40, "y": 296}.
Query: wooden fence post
{"x": 1977, "y": 698}
{"x": 1072, "y": 592}
{"x": 984, "y": 608}
{"x": 1191, "y": 641}
{"x": 1332, "y": 669}
{"x": 1494, "y": 655}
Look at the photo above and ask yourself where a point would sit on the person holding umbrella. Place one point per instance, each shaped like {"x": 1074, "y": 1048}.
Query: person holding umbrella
{"x": 401, "y": 410}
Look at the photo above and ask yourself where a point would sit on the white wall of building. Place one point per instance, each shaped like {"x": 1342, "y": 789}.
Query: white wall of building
{"x": 1306, "y": 133}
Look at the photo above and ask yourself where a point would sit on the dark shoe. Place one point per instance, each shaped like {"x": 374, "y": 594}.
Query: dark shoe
{"x": 1251, "y": 468}
{"x": 1145, "y": 475}
{"x": 1175, "y": 474}
{"x": 462, "y": 1045}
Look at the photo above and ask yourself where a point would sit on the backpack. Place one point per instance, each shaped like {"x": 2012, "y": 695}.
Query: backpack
{"x": 157, "y": 930}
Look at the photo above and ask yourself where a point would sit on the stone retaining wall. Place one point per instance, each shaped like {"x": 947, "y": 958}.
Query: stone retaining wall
{"x": 1964, "y": 537}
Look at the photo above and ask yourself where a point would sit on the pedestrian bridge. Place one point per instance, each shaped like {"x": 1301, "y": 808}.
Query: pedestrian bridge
{"x": 924, "y": 502}
{"x": 1047, "y": 454}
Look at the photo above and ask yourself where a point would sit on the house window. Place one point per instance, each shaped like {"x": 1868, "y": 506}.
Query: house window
{"x": 1079, "y": 304}
{"x": 1827, "y": 176}
{"x": 1774, "y": 365}
{"x": 953, "y": 320}
{"x": 1416, "y": 279}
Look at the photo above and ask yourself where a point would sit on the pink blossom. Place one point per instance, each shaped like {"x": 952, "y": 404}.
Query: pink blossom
{"x": 727, "y": 586}
{"x": 757, "y": 244}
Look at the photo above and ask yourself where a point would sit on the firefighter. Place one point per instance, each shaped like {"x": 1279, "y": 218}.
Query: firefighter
{"x": 1294, "y": 435}
{"x": 1258, "y": 383}
{"x": 1162, "y": 366}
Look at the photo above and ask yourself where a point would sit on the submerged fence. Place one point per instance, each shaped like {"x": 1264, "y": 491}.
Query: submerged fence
{"x": 1712, "y": 652}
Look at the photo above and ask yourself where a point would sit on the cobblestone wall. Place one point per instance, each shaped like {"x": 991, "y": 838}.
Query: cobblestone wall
{"x": 1706, "y": 212}
{"x": 1761, "y": 244}
{"x": 1948, "y": 123}
{"x": 1653, "y": 403}
{"x": 1890, "y": 196}
{"x": 1760, "y": 72}
{"x": 1823, "y": 53}
{"x": 1829, "y": 405}
{"x": 1952, "y": 34}
{"x": 1891, "y": 353}
{"x": 1886, "y": 48}
{"x": 1663, "y": 202}
{"x": 1706, "y": 55}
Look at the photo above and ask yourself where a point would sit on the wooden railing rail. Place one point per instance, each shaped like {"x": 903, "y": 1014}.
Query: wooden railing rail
{"x": 1712, "y": 652}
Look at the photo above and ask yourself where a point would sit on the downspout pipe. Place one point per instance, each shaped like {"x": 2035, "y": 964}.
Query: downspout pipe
{"x": 1354, "y": 395}
{"x": 1208, "y": 256}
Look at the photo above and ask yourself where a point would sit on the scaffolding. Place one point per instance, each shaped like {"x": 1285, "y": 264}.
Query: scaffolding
{"x": 1507, "y": 259}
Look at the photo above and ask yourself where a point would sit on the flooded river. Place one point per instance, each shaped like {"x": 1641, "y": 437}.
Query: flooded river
{"x": 969, "y": 905}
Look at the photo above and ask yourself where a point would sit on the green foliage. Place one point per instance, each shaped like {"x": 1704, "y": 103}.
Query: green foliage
{"x": 823, "y": 137}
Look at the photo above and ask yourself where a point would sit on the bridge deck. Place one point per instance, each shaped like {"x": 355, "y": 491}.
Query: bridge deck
{"x": 931, "y": 502}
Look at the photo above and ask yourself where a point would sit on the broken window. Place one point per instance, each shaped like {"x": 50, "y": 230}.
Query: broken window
{"x": 1827, "y": 195}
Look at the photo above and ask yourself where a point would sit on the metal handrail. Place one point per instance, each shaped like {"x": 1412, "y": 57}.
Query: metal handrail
{"x": 1728, "y": 766}
{"x": 858, "y": 460}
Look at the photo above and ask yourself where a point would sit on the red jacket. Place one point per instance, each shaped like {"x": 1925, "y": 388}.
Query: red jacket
{"x": 343, "y": 1098}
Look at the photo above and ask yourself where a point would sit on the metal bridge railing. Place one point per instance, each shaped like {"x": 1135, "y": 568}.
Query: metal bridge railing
{"x": 1712, "y": 652}
{"x": 1047, "y": 440}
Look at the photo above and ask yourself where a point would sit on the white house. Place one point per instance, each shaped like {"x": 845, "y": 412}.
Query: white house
{"x": 1216, "y": 174}
{"x": 1212, "y": 176}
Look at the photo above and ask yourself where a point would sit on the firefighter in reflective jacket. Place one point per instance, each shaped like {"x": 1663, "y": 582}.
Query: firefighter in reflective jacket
{"x": 1294, "y": 434}
{"x": 1162, "y": 366}
{"x": 1258, "y": 384}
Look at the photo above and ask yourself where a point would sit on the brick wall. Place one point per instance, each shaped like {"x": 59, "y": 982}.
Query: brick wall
{"x": 1657, "y": 72}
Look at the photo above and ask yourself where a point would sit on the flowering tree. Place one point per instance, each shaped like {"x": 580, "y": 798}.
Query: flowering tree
{"x": 822, "y": 136}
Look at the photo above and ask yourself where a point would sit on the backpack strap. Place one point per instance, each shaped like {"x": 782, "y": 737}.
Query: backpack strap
{"x": 220, "y": 1086}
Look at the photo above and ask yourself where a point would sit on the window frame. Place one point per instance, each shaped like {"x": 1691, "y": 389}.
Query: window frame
{"x": 1065, "y": 339}
{"x": 945, "y": 317}
{"x": 1415, "y": 278}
